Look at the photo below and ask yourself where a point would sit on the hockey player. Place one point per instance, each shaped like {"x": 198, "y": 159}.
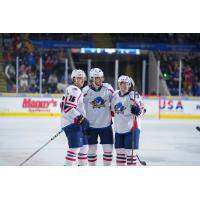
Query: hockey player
{"x": 124, "y": 109}
{"x": 73, "y": 120}
{"x": 139, "y": 101}
{"x": 97, "y": 98}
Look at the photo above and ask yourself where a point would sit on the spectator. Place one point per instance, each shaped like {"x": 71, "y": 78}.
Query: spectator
{"x": 175, "y": 75}
{"x": 52, "y": 83}
{"x": 197, "y": 89}
{"x": 23, "y": 82}
{"x": 60, "y": 67}
{"x": 188, "y": 76}
{"x": 49, "y": 66}
{"x": 7, "y": 41}
{"x": 28, "y": 46}
{"x": 10, "y": 77}
{"x": 33, "y": 82}
{"x": 29, "y": 59}
{"x": 22, "y": 68}
{"x": 61, "y": 86}
{"x": 7, "y": 57}
{"x": 191, "y": 71}
{"x": 17, "y": 44}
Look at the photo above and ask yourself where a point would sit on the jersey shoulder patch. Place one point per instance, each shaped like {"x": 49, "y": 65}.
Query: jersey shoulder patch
{"x": 135, "y": 96}
{"x": 132, "y": 94}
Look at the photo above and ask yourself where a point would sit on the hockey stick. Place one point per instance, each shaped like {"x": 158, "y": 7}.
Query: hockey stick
{"x": 142, "y": 162}
{"x": 41, "y": 147}
{"x": 132, "y": 131}
{"x": 132, "y": 140}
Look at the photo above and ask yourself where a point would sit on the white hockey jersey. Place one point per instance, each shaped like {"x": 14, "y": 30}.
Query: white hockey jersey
{"x": 97, "y": 105}
{"x": 124, "y": 120}
{"x": 72, "y": 105}
{"x": 121, "y": 107}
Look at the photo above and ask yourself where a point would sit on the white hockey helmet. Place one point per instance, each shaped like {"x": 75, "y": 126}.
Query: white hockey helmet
{"x": 96, "y": 72}
{"x": 78, "y": 73}
{"x": 124, "y": 79}
{"x": 132, "y": 82}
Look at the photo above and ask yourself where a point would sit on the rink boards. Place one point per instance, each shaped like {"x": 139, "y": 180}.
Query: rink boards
{"x": 157, "y": 107}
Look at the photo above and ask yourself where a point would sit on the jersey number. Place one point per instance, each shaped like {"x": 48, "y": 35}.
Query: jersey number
{"x": 72, "y": 98}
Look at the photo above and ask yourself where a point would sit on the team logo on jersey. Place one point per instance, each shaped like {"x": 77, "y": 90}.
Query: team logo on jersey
{"x": 119, "y": 108}
{"x": 98, "y": 102}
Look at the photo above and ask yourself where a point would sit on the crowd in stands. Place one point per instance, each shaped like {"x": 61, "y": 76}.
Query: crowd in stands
{"x": 53, "y": 60}
{"x": 170, "y": 64}
{"x": 15, "y": 41}
{"x": 53, "y": 71}
{"x": 53, "y": 79}
{"x": 60, "y": 36}
{"x": 168, "y": 38}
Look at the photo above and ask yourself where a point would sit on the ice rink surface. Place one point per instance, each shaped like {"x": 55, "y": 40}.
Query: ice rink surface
{"x": 162, "y": 142}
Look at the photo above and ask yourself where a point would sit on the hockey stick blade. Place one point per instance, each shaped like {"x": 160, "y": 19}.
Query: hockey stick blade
{"x": 198, "y": 128}
{"x": 141, "y": 161}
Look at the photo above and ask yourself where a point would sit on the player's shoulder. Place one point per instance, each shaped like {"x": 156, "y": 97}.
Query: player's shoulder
{"x": 137, "y": 94}
{"x": 108, "y": 86}
{"x": 85, "y": 90}
{"x": 116, "y": 93}
{"x": 73, "y": 89}
{"x": 134, "y": 95}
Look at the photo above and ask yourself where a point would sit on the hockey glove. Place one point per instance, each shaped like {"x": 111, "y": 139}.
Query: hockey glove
{"x": 135, "y": 109}
{"x": 83, "y": 122}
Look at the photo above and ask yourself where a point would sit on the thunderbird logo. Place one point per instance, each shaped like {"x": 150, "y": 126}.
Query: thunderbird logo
{"x": 119, "y": 108}
{"x": 98, "y": 102}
